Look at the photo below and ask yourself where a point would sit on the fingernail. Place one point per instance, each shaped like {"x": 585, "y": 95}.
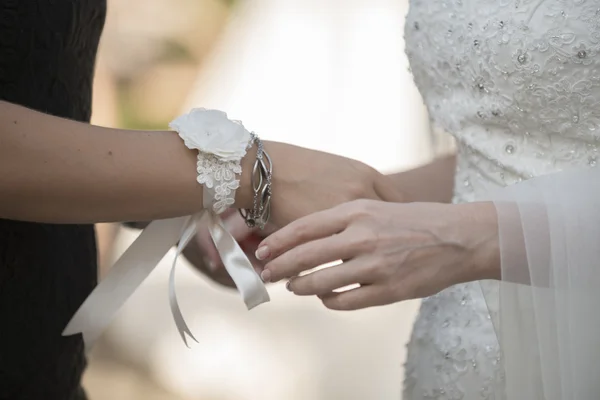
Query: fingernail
{"x": 266, "y": 275}
{"x": 262, "y": 253}
{"x": 288, "y": 286}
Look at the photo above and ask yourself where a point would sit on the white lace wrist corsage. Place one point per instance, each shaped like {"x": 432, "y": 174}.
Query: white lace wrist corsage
{"x": 221, "y": 144}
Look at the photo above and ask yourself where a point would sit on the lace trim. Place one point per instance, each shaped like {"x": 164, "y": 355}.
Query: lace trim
{"x": 220, "y": 178}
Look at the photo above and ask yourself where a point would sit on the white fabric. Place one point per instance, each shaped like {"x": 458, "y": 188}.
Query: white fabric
{"x": 221, "y": 143}
{"x": 140, "y": 259}
{"x": 549, "y": 326}
{"x": 517, "y": 82}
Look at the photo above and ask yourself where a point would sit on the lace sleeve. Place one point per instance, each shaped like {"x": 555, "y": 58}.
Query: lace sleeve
{"x": 547, "y": 320}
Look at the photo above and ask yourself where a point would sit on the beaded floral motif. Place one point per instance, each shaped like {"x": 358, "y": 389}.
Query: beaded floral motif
{"x": 453, "y": 353}
{"x": 221, "y": 143}
{"x": 220, "y": 176}
{"x": 531, "y": 66}
{"x": 517, "y": 83}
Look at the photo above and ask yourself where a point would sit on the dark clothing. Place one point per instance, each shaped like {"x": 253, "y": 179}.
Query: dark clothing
{"x": 47, "y": 56}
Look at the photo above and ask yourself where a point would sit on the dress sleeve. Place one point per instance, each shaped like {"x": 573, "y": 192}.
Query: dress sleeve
{"x": 547, "y": 309}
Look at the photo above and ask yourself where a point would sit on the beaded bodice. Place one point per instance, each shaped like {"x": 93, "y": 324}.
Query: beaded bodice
{"x": 517, "y": 83}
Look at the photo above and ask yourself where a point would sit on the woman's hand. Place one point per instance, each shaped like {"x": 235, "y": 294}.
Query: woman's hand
{"x": 306, "y": 181}
{"x": 394, "y": 252}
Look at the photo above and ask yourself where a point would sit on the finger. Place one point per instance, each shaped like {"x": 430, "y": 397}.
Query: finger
{"x": 256, "y": 264}
{"x": 315, "y": 226}
{"x": 329, "y": 279}
{"x": 355, "y": 299}
{"x": 310, "y": 255}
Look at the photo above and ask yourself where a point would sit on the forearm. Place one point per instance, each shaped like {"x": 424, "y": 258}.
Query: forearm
{"x": 61, "y": 171}
{"x": 478, "y": 232}
{"x": 433, "y": 182}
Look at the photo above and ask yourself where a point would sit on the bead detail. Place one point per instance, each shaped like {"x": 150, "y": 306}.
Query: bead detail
{"x": 517, "y": 84}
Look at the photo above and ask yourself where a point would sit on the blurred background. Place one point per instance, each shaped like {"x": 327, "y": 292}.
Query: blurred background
{"x": 325, "y": 74}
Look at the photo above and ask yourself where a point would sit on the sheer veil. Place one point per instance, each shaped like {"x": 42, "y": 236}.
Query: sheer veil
{"x": 546, "y": 309}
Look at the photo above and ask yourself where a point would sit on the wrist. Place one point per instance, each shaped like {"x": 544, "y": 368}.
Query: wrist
{"x": 244, "y": 195}
{"x": 432, "y": 182}
{"x": 480, "y": 223}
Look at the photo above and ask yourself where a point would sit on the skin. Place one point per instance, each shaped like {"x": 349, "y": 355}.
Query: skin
{"x": 55, "y": 170}
{"x": 394, "y": 252}
{"x": 432, "y": 182}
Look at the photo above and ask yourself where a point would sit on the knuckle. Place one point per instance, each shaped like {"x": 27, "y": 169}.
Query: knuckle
{"x": 301, "y": 230}
{"x": 365, "y": 240}
{"x": 373, "y": 268}
{"x": 366, "y": 208}
{"x": 378, "y": 268}
{"x": 358, "y": 209}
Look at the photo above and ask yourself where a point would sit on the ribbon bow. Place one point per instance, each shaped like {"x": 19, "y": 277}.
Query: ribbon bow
{"x": 140, "y": 259}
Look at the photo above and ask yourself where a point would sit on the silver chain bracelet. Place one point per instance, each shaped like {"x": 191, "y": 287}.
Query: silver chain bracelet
{"x": 262, "y": 173}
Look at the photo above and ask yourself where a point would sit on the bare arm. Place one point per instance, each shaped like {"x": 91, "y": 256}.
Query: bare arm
{"x": 61, "y": 171}
{"x": 433, "y": 182}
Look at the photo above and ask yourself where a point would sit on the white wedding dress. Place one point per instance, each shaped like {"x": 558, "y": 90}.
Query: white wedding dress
{"x": 517, "y": 82}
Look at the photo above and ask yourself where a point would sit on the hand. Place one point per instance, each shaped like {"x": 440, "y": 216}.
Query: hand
{"x": 203, "y": 254}
{"x": 394, "y": 252}
{"x": 306, "y": 181}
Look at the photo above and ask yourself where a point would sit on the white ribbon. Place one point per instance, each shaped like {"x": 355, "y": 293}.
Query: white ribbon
{"x": 140, "y": 259}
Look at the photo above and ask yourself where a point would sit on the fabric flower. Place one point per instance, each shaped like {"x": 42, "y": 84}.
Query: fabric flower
{"x": 210, "y": 131}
